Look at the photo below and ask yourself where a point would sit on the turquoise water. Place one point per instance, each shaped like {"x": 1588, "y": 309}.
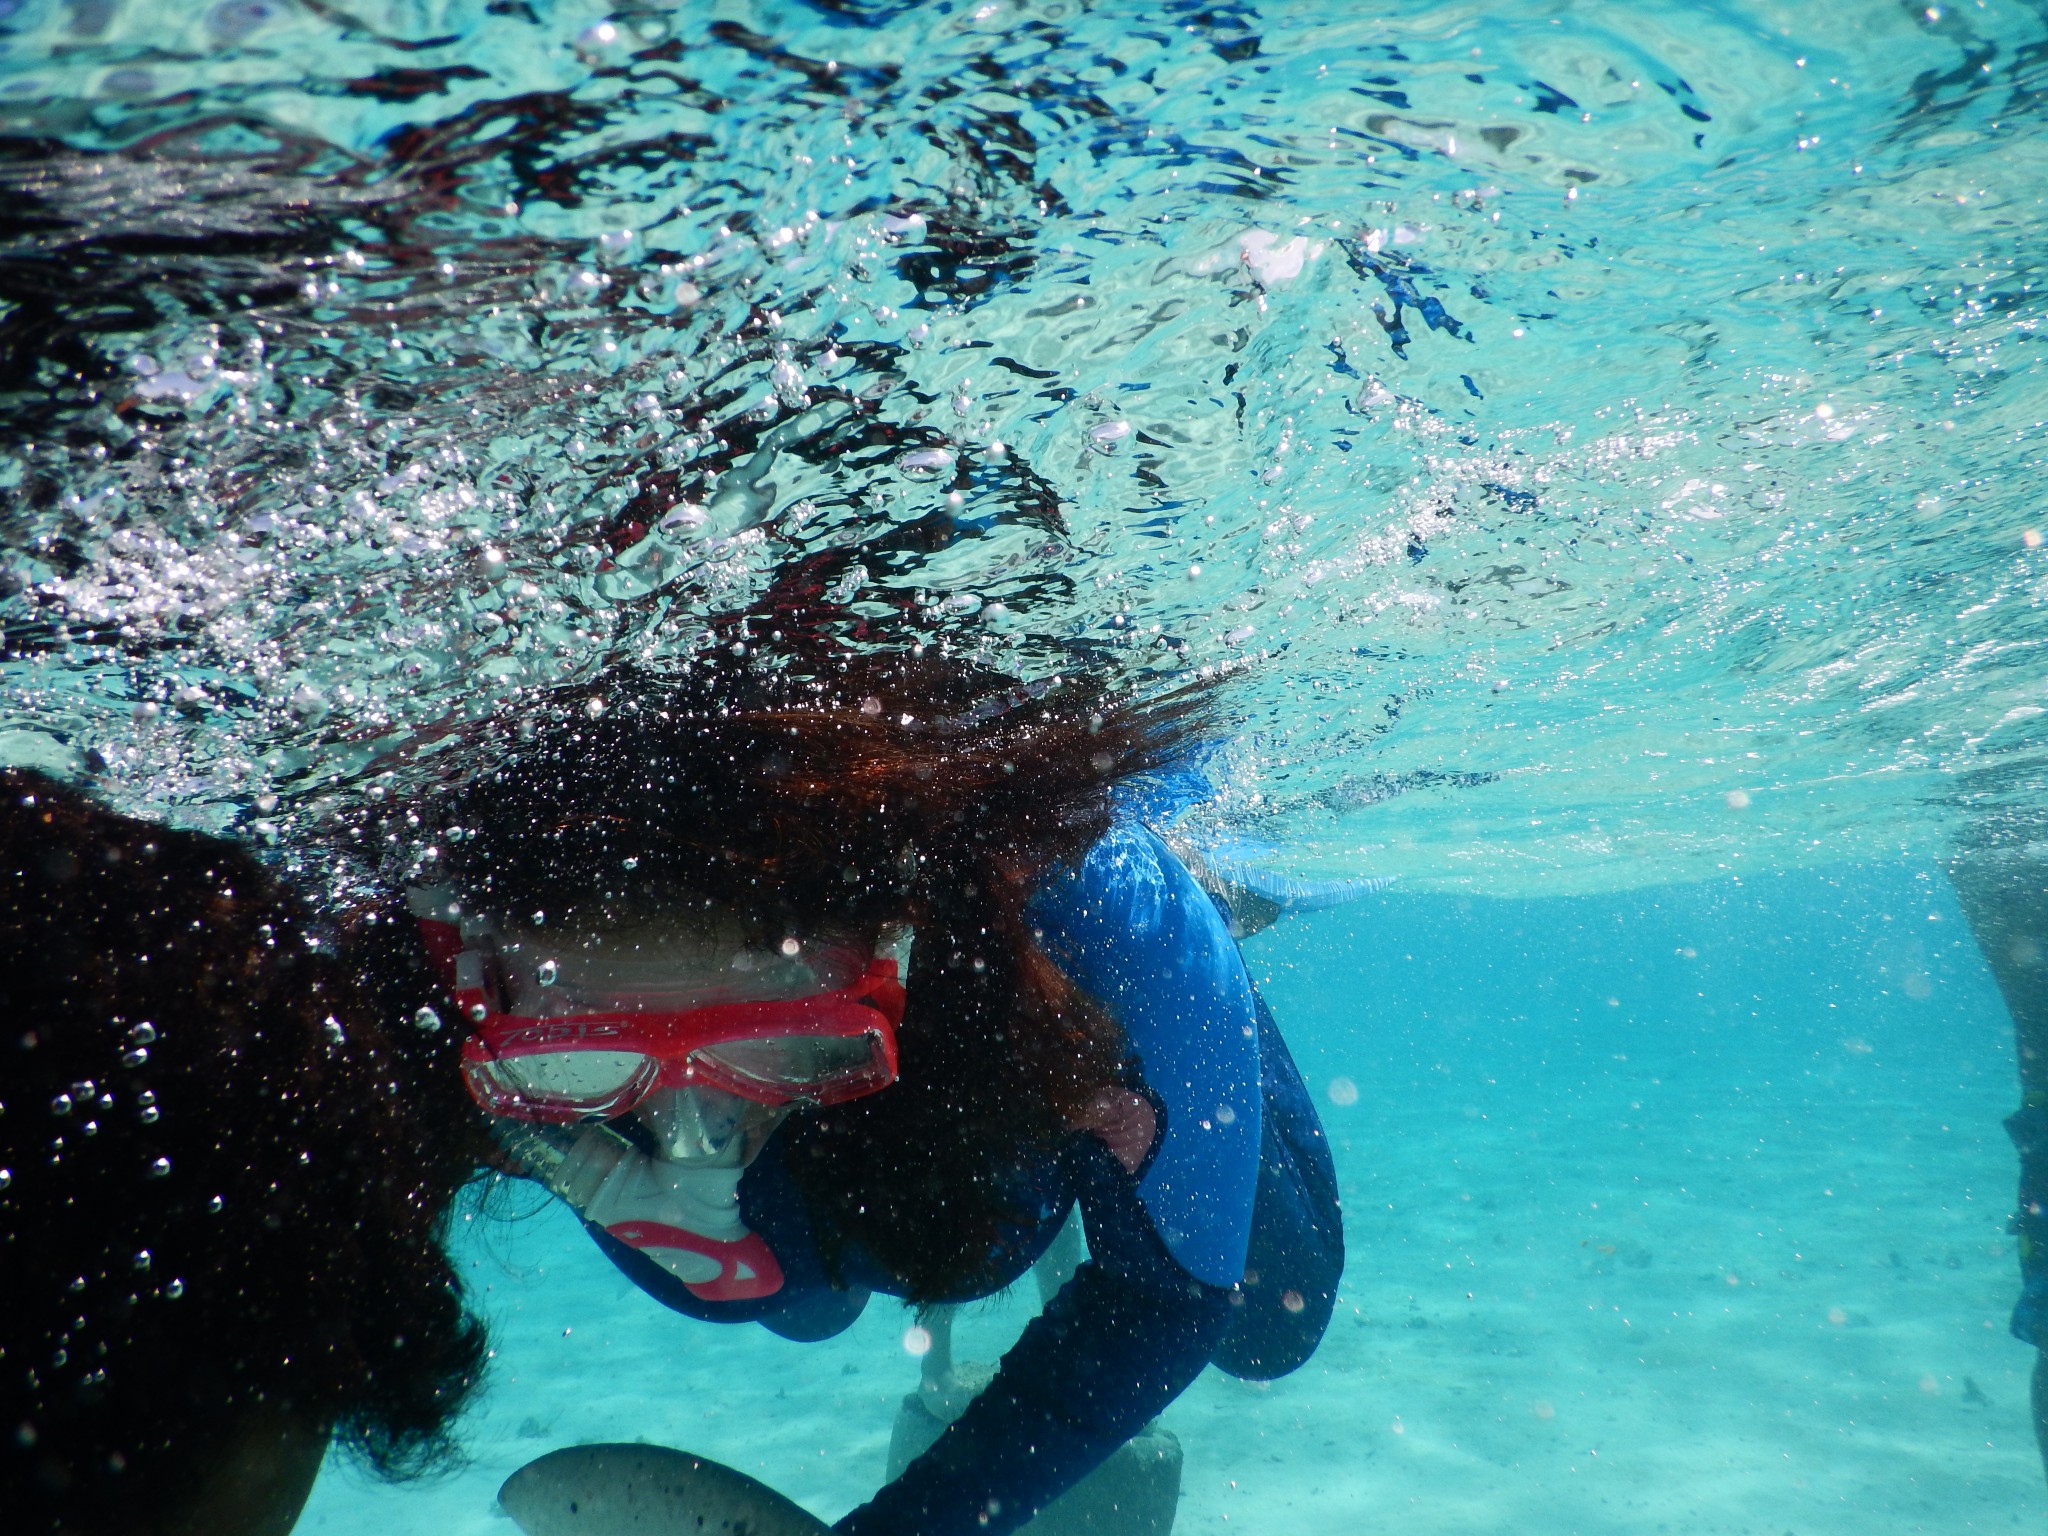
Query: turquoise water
{"x": 1726, "y": 1253}
{"x": 1602, "y": 444}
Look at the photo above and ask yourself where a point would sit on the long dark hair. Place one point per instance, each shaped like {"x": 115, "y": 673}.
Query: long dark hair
{"x": 837, "y": 795}
{"x": 231, "y": 1155}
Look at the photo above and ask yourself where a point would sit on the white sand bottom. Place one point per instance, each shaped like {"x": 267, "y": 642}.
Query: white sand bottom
{"x": 1724, "y": 1255}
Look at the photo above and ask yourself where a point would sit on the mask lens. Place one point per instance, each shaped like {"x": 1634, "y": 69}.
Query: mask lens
{"x": 570, "y": 1077}
{"x": 800, "y": 1064}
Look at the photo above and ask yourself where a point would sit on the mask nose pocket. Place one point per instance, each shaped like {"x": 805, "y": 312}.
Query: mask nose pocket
{"x": 703, "y": 1125}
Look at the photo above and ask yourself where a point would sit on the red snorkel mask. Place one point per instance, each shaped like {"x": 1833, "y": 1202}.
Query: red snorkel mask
{"x": 822, "y": 1048}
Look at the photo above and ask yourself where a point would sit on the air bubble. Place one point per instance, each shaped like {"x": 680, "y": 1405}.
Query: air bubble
{"x": 308, "y": 703}
{"x": 925, "y": 463}
{"x": 902, "y": 226}
{"x": 788, "y": 382}
{"x": 548, "y": 973}
{"x": 427, "y": 1020}
{"x": 160, "y": 1167}
{"x": 1108, "y": 436}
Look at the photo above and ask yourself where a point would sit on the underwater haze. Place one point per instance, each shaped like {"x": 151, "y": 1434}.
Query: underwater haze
{"x": 1601, "y": 445}
{"x": 1681, "y": 1211}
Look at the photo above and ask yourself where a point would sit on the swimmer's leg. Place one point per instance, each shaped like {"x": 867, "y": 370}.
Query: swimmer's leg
{"x": 2005, "y": 897}
{"x": 1297, "y": 1245}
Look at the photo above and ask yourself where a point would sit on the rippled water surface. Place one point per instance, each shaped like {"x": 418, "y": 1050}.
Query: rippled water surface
{"x": 1606, "y": 437}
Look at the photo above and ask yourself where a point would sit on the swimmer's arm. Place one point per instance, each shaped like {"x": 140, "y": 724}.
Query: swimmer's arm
{"x": 1132, "y": 928}
{"x": 1123, "y": 1339}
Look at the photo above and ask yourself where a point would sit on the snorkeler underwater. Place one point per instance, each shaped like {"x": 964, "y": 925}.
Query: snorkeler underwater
{"x": 921, "y": 767}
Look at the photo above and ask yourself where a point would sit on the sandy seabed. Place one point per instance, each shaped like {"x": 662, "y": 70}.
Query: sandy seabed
{"x": 1680, "y": 1211}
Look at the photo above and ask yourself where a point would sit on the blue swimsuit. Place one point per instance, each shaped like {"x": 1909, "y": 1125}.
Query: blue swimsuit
{"x": 1225, "y": 1247}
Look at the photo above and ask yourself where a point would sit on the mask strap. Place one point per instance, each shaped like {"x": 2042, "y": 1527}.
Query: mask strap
{"x": 462, "y": 949}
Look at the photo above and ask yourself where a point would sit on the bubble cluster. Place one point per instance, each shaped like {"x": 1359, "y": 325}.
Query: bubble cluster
{"x": 1403, "y": 416}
